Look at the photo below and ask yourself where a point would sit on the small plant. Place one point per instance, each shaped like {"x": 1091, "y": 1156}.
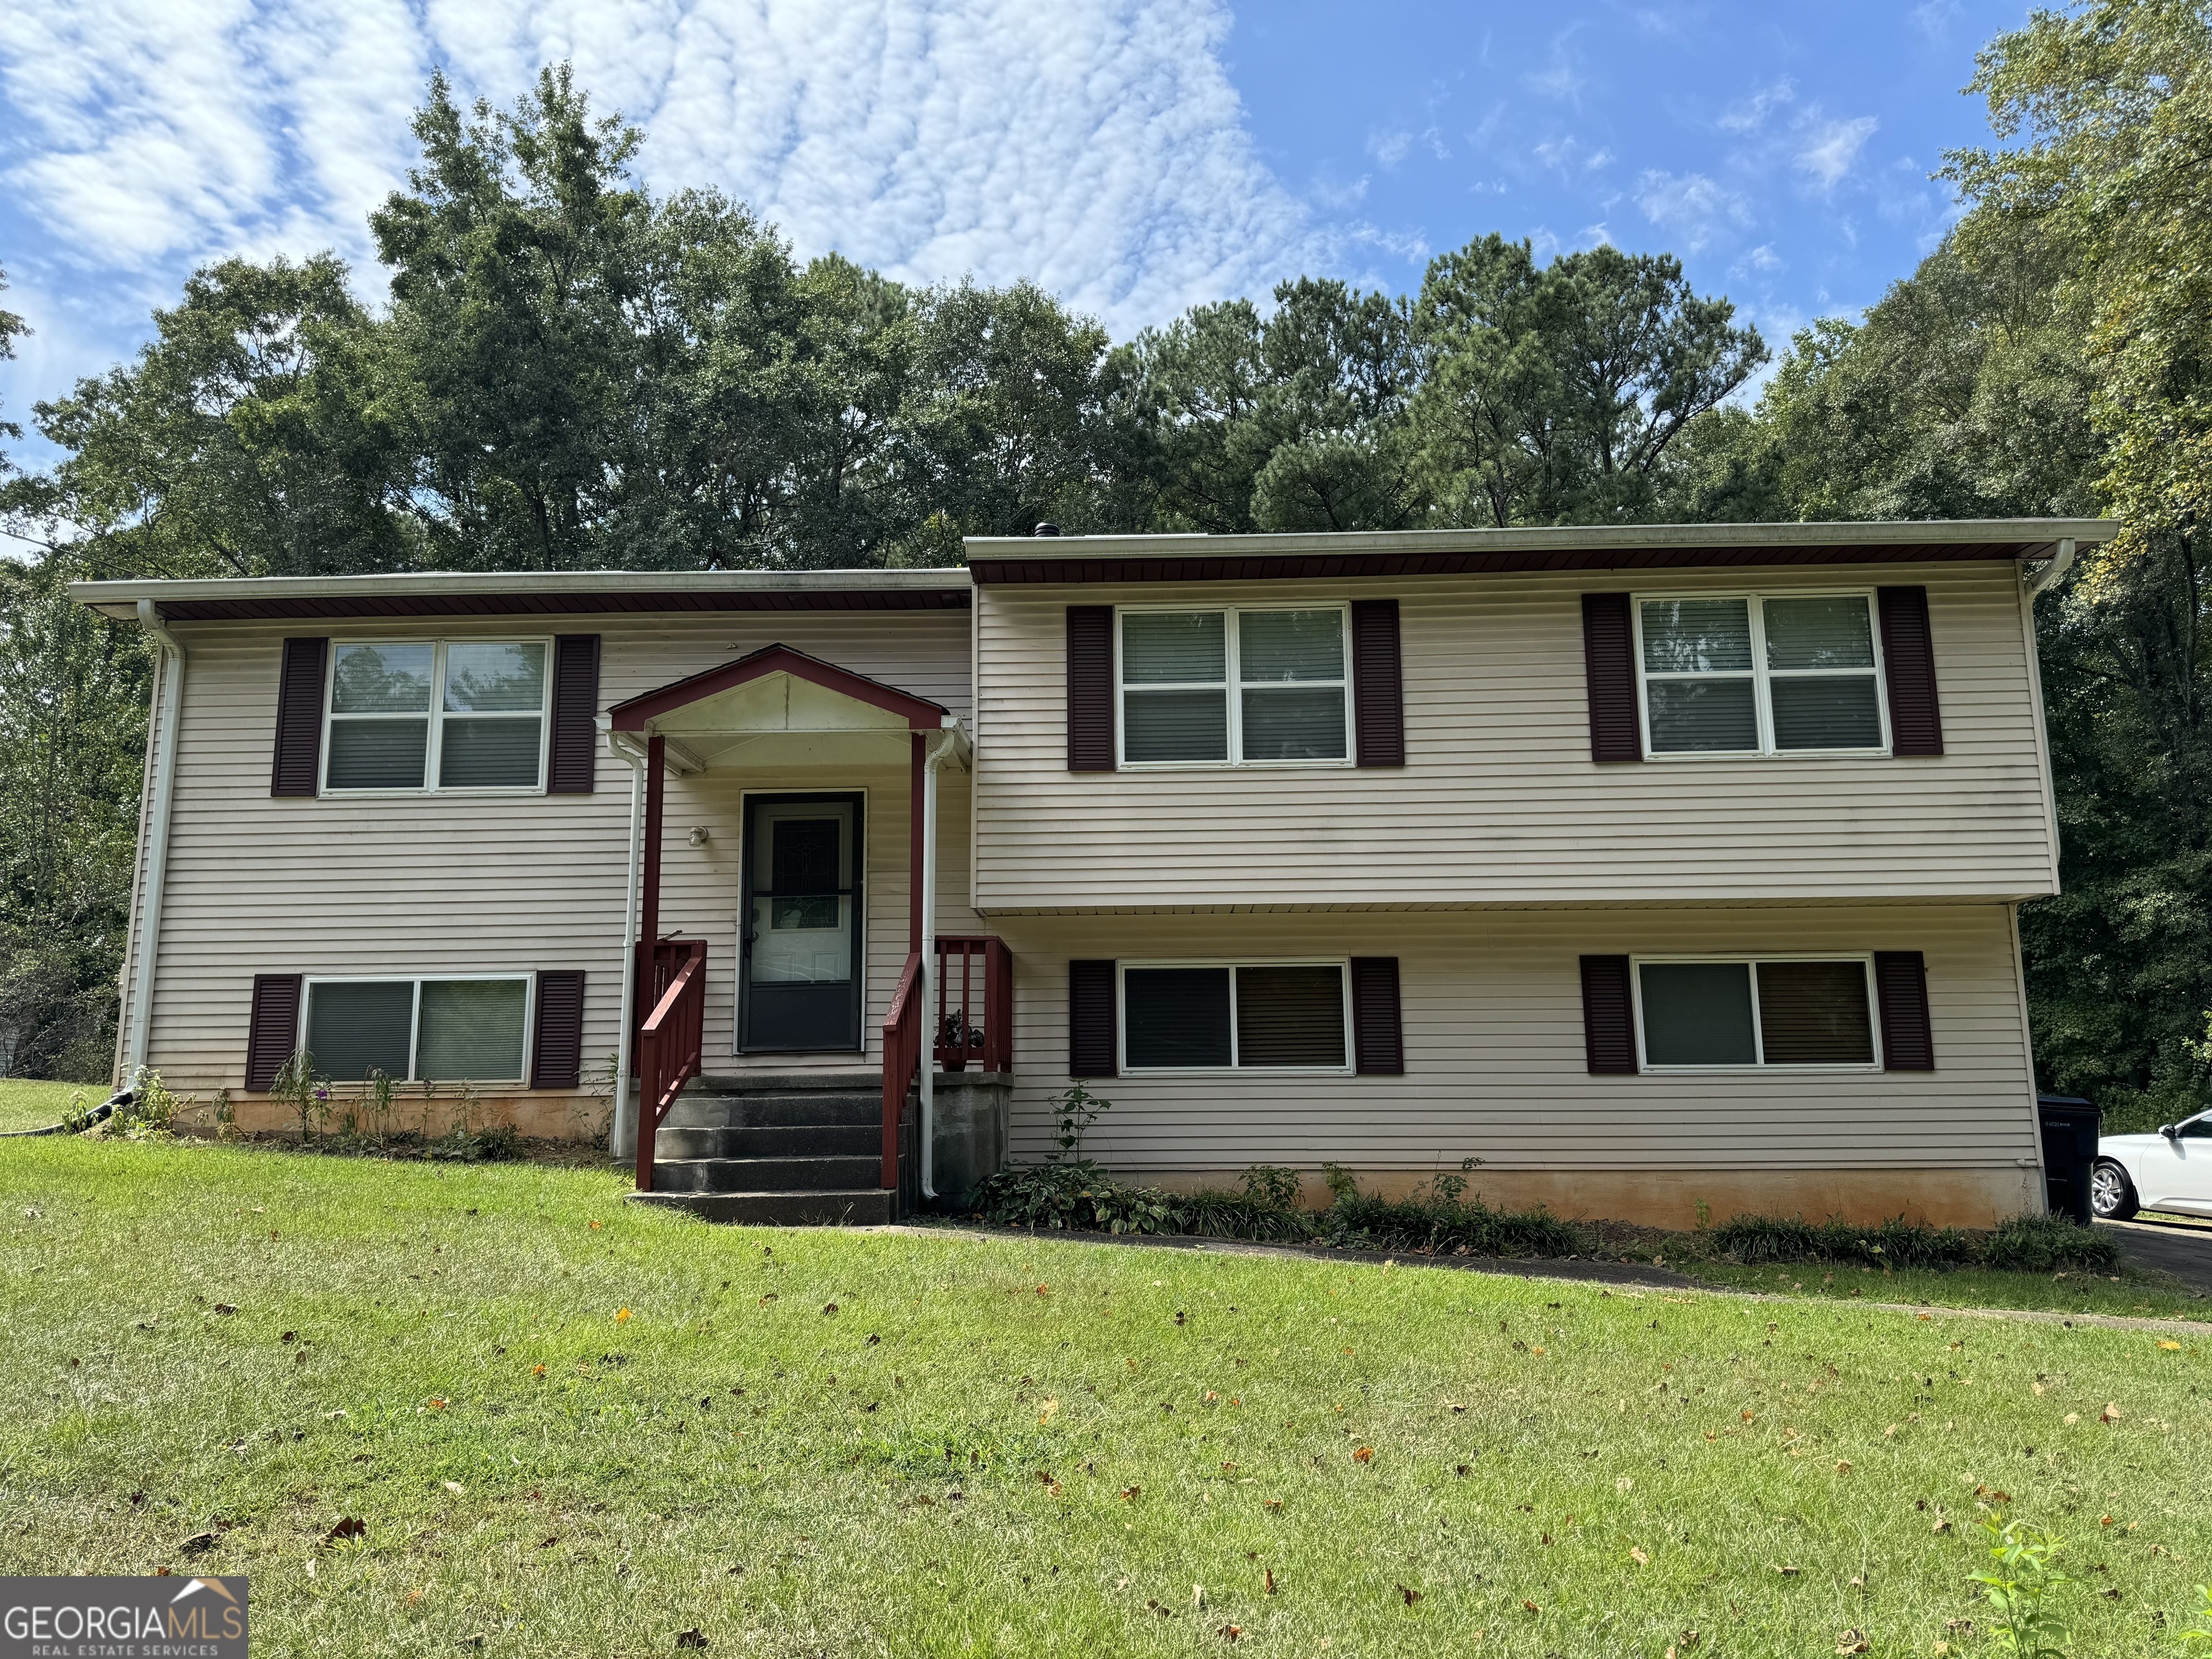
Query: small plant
{"x": 78, "y": 1118}
{"x": 297, "y": 1086}
{"x": 1341, "y": 1181}
{"x": 2204, "y": 1630}
{"x": 1447, "y": 1188}
{"x": 1075, "y": 1110}
{"x": 376, "y": 1104}
{"x": 226, "y": 1117}
{"x": 151, "y": 1112}
{"x": 2022, "y": 1589}
{"x": 1703, "y": 1212}
{"x": 1270, "y": 1185}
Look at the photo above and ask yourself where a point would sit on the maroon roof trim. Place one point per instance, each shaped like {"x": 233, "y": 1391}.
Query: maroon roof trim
{"x": 1261, "y": 567}
{"x": 558, "y": 605}
{"x": 921, "y": 714}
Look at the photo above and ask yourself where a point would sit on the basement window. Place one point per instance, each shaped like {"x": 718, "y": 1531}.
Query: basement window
{"x": 1250, "y": 1016}
{"x": 430, "y": 1030}
{"x": 1705, "y": 1013}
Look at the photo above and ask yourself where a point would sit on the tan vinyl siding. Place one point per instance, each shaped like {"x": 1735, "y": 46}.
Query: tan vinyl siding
{"x": 457, "y": 884}
{"x": 1499, "y": 802}
{"x": 1495, "y": 1067}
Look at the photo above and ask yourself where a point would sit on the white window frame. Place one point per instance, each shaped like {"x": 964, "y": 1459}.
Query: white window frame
{"x": 433, "y": 753}
{"x": 1233, "y": 689}
{"x": 1761, "y": 677}
{"x": 1864, "y": 958}
{"x": 1342, "y": 964}
{"x": 415, "y": 1017}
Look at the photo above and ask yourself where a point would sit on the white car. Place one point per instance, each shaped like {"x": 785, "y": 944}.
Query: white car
{"x": 2169, "y": 1170}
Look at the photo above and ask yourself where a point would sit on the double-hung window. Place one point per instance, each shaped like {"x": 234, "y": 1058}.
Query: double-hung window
{"x": 1223, "y": 1015}
{"x": 1704, "y": 1012}
{"x": 1737, "y": 674}
{"x": 423, "y": 714}
{"x": 427, "y": 1030}
{"x": 1235, "y": 686}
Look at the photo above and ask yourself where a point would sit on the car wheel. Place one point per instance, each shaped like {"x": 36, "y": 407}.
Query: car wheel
{"x": 2112, "y": 1194}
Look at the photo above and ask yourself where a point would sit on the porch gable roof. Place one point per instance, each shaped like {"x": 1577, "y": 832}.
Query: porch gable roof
{"x": 649, "y": 708}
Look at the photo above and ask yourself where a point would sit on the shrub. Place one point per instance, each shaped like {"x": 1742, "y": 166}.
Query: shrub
{"x": 1077, "y": 1195}
{"x": 1449, "y": 1226}
{"x": 2044, "y": 1244}
{"x": 1219, "y": 1214}
{"x": 2035, "y": 1243}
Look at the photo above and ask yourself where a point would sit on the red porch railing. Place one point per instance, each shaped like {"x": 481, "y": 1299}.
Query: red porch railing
{"x": 902, "y": 1061}
{"x": 669, "y": 1043}
{"x": 975, "y": 1002}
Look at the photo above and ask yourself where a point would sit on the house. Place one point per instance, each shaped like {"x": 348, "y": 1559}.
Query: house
{"x": 1631, "y": 869}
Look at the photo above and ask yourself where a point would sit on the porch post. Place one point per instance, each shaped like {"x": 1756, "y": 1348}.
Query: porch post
{"x": 918, "y": 747}
{"x": 656, "y": 785}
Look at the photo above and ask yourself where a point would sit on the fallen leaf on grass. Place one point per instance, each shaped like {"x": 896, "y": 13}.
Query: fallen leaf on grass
{"x": 1270, "y": 1573}
{"x": 455, "y": 1488}
{"x": 1365, "y": 1455}
{"x": 2111, "y": 1414}
{"x": 413, "y": 1598}
{"x": 1271, "y": 1504}
{"x": 1640, "y": 1557}
{"x": 2169, "y": 1347}
{"x": 694, "y": 1638}
{"x": 549, "y": 1541}
{"x": 1842, "y": 1466}
{"x": 1229, "y": 1633}
{"x": 1853, "y": 1641}
{"x": 351, "y": 1527}
{"x": 622, "y": 1316}
{"x": 1129, "y": 1493}
{"x": 1410, "y": 1596}
{"x": 1788, "y": 1572}
{"x": 1530, "y": 1607}
{"x": 226, "y": 1307}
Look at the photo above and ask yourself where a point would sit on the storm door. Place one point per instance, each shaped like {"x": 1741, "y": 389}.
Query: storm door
{"x": 800, "y": 946}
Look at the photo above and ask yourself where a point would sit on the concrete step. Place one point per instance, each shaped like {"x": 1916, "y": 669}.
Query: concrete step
{"x": 843, "y": 1080}
{"x": 769, "y": 1141}
{"x": 704, "y": 1111}
{"x": 765, "y": 1175}
{"x": 857, "y": 1207}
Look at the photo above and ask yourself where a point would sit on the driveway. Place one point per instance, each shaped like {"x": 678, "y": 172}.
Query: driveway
{"x": 2181, "y": 1248}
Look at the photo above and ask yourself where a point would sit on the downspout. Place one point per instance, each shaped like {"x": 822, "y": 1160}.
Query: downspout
{"x": 171, "y": 693}
{"x": 619, "y": 1132}
{"x": 2061, "y": 562}
{"x": 924, "y": 980}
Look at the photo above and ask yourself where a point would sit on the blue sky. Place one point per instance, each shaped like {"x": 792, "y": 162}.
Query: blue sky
{"x": 1135, "y": 156}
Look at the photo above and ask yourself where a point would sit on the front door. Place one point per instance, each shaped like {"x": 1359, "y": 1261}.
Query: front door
{"x": 798, "y": 949}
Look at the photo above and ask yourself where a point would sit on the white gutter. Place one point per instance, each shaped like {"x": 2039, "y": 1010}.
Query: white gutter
{"x": 619, "y": 1130}
{"x": 2060, "y": 564}
{"x": 171, "y": 695}
{"x": 937, "y": 756}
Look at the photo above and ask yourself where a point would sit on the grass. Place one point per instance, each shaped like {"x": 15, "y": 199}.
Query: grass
{"x": 1016, "y": 1446}
{"x": 2128, "y": 1294}
{"x": 26, "y": 1103}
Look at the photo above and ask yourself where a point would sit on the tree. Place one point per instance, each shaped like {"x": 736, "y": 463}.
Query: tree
{"x": 11, "y": 325}
{"x": 1293, "y": 422}
{"x": 1556, "y": 396}
{"x": 245, "y": 441}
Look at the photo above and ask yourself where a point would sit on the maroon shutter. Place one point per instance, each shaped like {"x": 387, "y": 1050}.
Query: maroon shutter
{"x": 1609, "y": 673}
{"x": 556, "y": 1049}
{"x": 297, "y": 767}
{"x": 1608, "y": 1016}
{"x": 1091, "y": 1048}
{"x": 1378, "y": 1041}
{"x": 1908, "y": 662}
{"x": 1091, "y": 690}
{"x": 573, "y": 754}
{"x": 1900, "y": 983}
{"x": 273, "y": 1034}
{"x": 1378, "y": 686}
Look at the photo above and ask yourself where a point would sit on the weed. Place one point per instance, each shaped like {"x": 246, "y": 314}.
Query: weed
{"x": 149, "y": 1112}
{"x": 2044, "y": 1244}
{"x": 2022, "y": 1589}
{"x": 1075, "y": 1110}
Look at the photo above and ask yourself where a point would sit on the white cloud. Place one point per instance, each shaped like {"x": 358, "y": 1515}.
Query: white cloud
{"x": 1567, "y": 156}
{"x": 1690, "y": 205}
{"x": 1762, "y": 260}
{"x": 1829, "y": 148}
{"x": 1389, "y": 147}
{"x": 1750, "y": 114}
{"x": 1095, "y": 145}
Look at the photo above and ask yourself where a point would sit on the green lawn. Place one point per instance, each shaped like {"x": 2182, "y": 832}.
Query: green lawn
{"x": 838, "y": 1443}
{"x": 28, "y": 1105}
{"x": 2130, "y": 1295}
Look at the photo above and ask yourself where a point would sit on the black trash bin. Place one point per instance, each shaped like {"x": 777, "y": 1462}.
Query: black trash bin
{"x": 2070, "y": 1128}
